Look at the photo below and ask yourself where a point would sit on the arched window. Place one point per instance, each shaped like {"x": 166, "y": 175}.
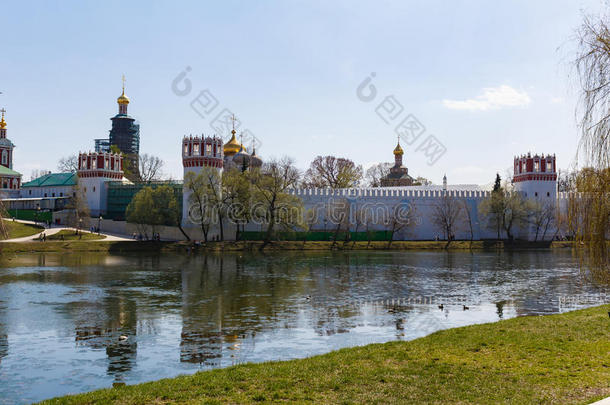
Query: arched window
{"x": 4, "y": 157}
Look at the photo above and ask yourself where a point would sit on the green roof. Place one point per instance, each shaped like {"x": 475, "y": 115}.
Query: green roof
{"x": 53, "y": 180}
{"x": 8, "y": 172}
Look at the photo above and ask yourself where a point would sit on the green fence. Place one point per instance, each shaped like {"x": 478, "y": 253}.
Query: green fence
{"x": 31, "y": 215}
{"x": 320, "y": 236}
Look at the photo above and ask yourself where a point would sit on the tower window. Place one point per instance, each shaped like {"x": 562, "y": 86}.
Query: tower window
{"x": 536, "y": 166}
{"x": 536, "y": 194}
{"x": 548, "y": 194}
{"x": 94, "y": 189}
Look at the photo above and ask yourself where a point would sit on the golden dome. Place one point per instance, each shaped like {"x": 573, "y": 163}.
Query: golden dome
{"x": 398, "y": 150}
{"x": 232, "y": 147}
{"x": 123, "y": 99}
{"x": 2, "y": 122}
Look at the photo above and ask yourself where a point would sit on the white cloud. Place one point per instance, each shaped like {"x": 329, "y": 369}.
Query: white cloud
{"x": 492, "y": 98}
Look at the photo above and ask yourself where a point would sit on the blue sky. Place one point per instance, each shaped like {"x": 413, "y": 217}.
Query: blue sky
{"x": 488, "y": 79}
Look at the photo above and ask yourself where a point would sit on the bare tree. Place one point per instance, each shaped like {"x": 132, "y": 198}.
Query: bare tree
{"x": 3, "y": 228}
{"x": 401, "y": 217}
{"x": 333, "y": 172}
{"x": 199, "y": 210}
{"x": 271, "y": 197}
{"x": 68, "y": 164}
{"x": 422, "y": 181}
{"x": 468, "y": 219}
{"x": 447, "y": 216}
{"x": 36, "y": 173}
{"x": 78, "y": 210}
{"x": 542, "y": 216}
{"x": 337, "y": 214}
{"x": 150, "y": 168}
{"x": 375, "y": 173}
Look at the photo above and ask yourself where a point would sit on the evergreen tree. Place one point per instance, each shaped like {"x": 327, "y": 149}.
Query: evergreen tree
{"x": 498, "y": 183}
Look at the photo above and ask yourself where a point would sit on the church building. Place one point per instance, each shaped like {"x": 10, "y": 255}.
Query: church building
{"x": 125, "y": 134}
{"x": 399, "y": 175}
{"x": 9, "y": 178}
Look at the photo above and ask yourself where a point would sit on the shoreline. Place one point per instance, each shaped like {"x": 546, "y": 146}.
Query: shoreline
{"x": 254, "y": 246}
{"x": 559, "y": 358}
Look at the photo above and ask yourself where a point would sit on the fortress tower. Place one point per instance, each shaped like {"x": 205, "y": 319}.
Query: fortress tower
{"x": 536, "y": 176}
{"x": 197, "y": 153}
{"x": 95, "y": 170}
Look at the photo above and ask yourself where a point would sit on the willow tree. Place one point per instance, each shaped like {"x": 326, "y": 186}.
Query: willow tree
{"x": 593, "y": 68}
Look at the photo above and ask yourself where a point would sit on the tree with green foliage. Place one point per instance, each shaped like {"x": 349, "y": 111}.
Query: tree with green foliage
{"x": 141, "y": 211}
{"x": 237, "y": 198}
{"x": 493, "y": 207}
{"x": 153, "y": 207}
{"x": 497, "y": 183}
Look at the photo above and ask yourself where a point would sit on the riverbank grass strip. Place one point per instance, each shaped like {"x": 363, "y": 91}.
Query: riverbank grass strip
{"x": 546, "y": 359}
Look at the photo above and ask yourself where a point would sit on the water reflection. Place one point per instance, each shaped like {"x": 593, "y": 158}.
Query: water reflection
{"x": 72, "y": 323}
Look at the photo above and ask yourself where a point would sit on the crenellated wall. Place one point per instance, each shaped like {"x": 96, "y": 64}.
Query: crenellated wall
{"x": 381, "y": 205}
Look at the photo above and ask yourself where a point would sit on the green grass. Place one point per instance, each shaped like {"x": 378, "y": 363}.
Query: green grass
{"x": 67, "y": 234}
{"x": 20, "y": 230}
{"x": 552, "y": 359}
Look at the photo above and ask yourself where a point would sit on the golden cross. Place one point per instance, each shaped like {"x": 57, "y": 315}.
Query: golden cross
{"x": 233, "y": 119}
{"x": 123, "y": 82}
{"x": 3, "y": 111}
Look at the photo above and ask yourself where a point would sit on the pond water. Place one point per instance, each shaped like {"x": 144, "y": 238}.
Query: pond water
{"x": 74, "y": 323}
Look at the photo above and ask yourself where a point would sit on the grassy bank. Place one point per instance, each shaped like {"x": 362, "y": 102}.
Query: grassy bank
{"x": 20, "y": 230}
{"x": 551, "y": 359}
{"x": 67, "y": 234}
{"x": 133, "y": 246}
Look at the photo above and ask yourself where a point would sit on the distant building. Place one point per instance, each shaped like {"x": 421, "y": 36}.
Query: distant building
{"x": 125, "y": 134}
{"x": 102, "y": 145}
{"x": 50, "y": 185}
{"x": 9, "y": 178}
{"x": 399, "y": 175}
